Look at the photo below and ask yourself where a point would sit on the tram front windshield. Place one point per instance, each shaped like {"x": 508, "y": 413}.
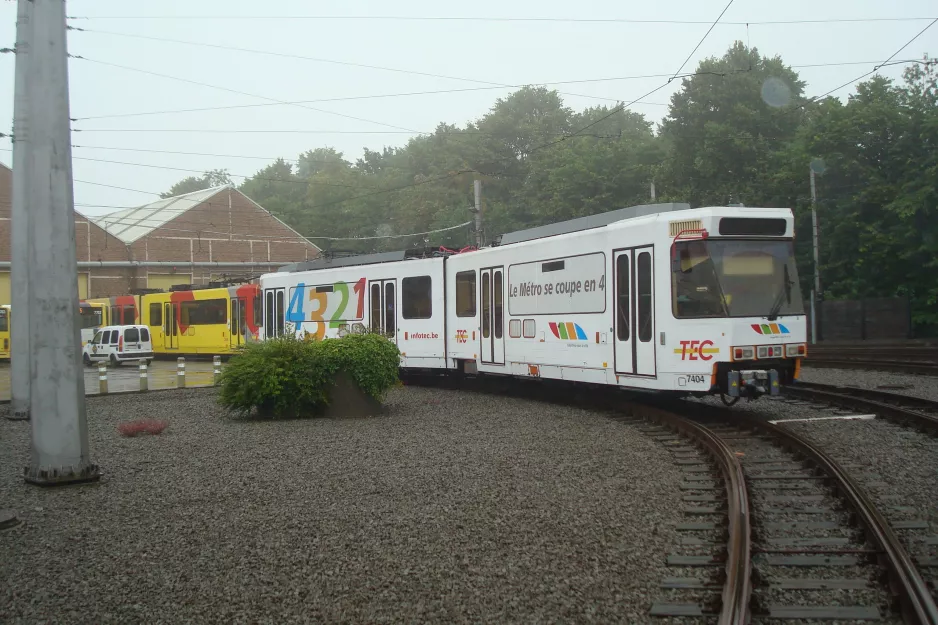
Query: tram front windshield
{"x": 735, "y": 278}
{"x": 90, "y": 317}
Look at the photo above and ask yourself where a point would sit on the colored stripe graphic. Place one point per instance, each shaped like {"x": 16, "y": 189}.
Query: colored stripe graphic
{"x": 567, "y": 331}
{"x": 767, "y": 328}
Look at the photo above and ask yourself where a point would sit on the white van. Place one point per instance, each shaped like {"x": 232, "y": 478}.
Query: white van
{"x": 119, "y": 344}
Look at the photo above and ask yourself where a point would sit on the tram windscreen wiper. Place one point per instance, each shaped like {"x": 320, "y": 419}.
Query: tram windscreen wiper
{"x": 783, "y": 291}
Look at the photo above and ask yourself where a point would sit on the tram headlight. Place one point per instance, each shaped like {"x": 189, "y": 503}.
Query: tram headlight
{"x": 795, "y": 350}
{"x": 746, "y": 352}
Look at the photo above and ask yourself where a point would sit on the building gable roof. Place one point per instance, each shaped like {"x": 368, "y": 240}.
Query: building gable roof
{"x": 132, "y": 224}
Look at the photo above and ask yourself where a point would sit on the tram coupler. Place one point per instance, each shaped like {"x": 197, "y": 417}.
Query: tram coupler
{"x": 752, "y": 383}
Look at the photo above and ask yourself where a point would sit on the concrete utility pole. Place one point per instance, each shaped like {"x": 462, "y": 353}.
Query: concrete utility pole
{"x": 816, "y": 292}
{"x": 19, "y": 267}
{"x": 477, "y": 188}
{"x": 652, "y": 191}
{"x": 57, "y": 387}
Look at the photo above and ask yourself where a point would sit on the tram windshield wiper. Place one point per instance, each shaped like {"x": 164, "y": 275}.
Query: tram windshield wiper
{"x": 783, "y": 291}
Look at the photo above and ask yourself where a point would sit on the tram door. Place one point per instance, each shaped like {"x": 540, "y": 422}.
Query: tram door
{"x": 634, "y": 311}
{"x": 170, "y": 327}
{"x": 239, "y": 309}
{"x": 273, "y": 313}
{"x": 382, "y": 307}
{"x": 493, "y": 316}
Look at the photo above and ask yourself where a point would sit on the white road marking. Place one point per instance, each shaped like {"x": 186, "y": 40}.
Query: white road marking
{"x": 853, "y": 416}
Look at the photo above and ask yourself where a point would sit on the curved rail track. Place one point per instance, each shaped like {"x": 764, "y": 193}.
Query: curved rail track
{"x": 758, "y": 487}
{"x": 785, "y": 490}
{"x": 906, "y": 409}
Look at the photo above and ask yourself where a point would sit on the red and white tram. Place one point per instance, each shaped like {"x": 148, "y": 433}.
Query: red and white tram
{"x": 659, "y": 297}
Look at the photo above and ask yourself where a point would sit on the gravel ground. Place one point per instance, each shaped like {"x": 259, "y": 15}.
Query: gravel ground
{"x": 455, "y": 507}
{"x": 919, "y": 385}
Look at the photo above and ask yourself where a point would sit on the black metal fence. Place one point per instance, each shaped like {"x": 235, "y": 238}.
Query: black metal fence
{"x": 881, "y": 318}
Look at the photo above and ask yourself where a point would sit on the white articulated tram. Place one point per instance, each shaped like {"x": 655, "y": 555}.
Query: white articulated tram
{"x": 658, "y": 297}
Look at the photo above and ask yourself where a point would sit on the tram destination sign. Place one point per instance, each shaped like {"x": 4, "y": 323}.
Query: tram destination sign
{"x": 574, "y": 284}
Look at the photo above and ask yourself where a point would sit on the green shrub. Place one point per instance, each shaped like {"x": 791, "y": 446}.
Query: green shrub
{"x": 289, "y": 377}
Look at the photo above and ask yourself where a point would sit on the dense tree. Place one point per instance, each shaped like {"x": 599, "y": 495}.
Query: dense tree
{"x": 738, "y": 130}
{"x": 209, "y": 179}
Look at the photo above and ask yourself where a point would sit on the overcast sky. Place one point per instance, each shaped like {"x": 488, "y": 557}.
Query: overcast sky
{"x": 463, "y": 54}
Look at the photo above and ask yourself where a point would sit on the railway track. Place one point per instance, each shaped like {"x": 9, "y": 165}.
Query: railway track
{"x": 774, "y": 528}
{"x": 919, "y": 358}
{"x": 906, "y": 409}
{"x": 816, "y": 545}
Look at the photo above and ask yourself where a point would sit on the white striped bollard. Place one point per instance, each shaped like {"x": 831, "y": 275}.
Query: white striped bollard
{"x": 216, "y": 365}
{"x": 180, "y": 372}
{"x": 102, "y": 378}
{"x": 144, "y": 382}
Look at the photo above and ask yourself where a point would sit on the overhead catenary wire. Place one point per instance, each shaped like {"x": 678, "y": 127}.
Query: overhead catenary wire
{"x": 476, "y": 18}
{"x": 702, "y": 39}
{"x": 437, "y": 92}
{"x": 313, "y": 59}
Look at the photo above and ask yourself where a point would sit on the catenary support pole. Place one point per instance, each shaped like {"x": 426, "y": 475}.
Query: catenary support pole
{"x": 60, "y": 452}
{"x": 19, "y": 251}
{"x": 477, "y": 189}
{"x": 817, "y": 267}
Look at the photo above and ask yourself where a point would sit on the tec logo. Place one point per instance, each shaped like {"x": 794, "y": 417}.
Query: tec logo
{"x": 697, "y": 350}
{"x": 462, "y": 336}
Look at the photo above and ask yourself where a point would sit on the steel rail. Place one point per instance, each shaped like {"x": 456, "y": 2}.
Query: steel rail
{"x": 916, "y": 603}
{"x": 737, "y": 587}
{"x": 921, "y": 368}
{"x": 885, "y": 404}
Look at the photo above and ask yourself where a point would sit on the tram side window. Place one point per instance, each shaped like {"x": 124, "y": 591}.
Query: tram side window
{"x": 279, "y": 319}
{"x": 622, "y": 300}
{"x": 156, "y": 314}
{"x": 5, "y": 322}
{"x": 486, "y": 306}
{"x": 416, "y": 302}
{"x": 376, "y": 307}
{"x": 499, "y": 308}
{"x": 270, "y": 314}
{"x": 643, "y": 282}
{"x": 466, "y": 294}
{"x": 204, "y": 312}
{"x": 258, "y": 311}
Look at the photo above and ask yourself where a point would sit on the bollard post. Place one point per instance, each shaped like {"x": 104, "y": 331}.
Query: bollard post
{"x": 216, "y": 362}
{"x": 181, "y": 372}
{"x": 102, "y": 378}
{"x": 144, "y": 382}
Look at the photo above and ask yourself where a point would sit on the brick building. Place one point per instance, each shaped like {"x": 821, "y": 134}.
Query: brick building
{"x": 191, "y": 238}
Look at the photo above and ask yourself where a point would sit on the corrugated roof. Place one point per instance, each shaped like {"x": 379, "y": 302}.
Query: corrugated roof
{"x": 134, "y": 223}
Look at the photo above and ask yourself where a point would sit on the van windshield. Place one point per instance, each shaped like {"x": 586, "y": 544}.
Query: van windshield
{"x": 735, "y": 278}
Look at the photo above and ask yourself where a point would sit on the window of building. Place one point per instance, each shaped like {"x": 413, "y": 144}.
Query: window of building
{"x": 416, "y": 302}
{"x": 205, "y": 312}
{"x": 514, "y": 328}
{"x": 466, "y": 294}
{"x": 530, "y": 327}
{"x": 156, "y": 314}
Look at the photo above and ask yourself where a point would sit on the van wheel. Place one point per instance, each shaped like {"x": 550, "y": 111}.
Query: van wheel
{"x": 86, "y": 359}
{"x": 114, "y": 361}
